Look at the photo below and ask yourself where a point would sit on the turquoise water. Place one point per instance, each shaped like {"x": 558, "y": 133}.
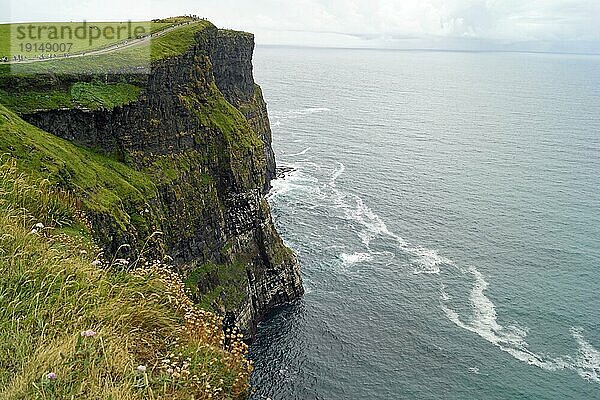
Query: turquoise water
{"x": 445, "y": 209}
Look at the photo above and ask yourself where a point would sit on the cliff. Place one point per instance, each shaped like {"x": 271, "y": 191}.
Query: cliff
{"x": 191, "y": 146}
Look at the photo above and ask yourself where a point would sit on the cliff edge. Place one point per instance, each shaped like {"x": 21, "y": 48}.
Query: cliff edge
{"x": 188, "y": 147}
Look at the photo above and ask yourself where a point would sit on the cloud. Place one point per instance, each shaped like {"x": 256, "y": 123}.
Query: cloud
{"x": 356, "y": 22}
{"x": 493, "y": 20}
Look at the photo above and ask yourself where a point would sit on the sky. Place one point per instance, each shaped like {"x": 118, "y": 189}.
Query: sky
{"x": 522, "y": 25}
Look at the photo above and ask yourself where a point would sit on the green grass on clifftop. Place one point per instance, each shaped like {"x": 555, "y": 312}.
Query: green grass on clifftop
{"x": 81, "y": 45}
{"x": 177, "y": 41}
{"x": 127, "y": 59}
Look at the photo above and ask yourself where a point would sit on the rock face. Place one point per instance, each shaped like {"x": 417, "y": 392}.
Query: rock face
{"x": 200, "y": 130}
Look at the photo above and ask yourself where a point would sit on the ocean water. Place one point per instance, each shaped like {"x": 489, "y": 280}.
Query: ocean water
{"x": 445, "y": 208}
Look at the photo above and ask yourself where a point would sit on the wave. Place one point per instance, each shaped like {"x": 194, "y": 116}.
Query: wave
{"x": 286, "y": 184}
{"x": 349, "y": 259}
{"x": 295, "y": 179}
{"x": 511, "y": 339}
{"x": 337, "y": 173}
{"x": 427, "y": 261}
{"x": 483, "y": 319}
{"x": 424, "y": 260}
{"x": 307, "y": 111}
{"x": 298, "y": 154}
{"x": 484, "y": 322}
{"x": 587, "y": 364}
{"x": 277, "y": 117}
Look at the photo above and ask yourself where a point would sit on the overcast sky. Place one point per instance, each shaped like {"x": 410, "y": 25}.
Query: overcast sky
{"x": 539, "y": 25}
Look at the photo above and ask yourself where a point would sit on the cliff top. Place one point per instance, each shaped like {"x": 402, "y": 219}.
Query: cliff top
{"x": 106, "y": 54}
{"x": 81, "y": 81}
{"x": 36, "y": 41}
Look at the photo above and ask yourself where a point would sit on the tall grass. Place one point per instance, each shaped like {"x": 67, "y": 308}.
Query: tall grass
{"x": 73, "y": 327}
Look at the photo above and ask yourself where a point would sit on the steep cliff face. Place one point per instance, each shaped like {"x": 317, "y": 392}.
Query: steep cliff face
{"x": 200, "y": 132}
{"x": 231, "y": 55}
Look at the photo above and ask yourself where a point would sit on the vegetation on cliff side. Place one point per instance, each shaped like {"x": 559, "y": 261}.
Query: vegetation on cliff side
{"x": 93, "y": 95}
{"x": 148, "y": 341}
{"x": 102, "y": 184}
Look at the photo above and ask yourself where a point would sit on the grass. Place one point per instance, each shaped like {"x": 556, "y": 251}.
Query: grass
{"x": 217, "y": 286}
{"x": 177, "y": 41}
{"x": 87, "y": 95}
{"x": 241, "y": 142}
{"x": 9, "y": 32}
{"x": 32, "y": 100}
{"x": 97, "y": 95}
{"x": 105, "y": 184}
{"x": 50, "y": 293}
{"x": 135, "y": 59}
{"x": 216, "y": 112}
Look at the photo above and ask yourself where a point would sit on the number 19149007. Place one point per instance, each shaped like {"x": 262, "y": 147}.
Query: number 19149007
{"x": 46, "y": 47}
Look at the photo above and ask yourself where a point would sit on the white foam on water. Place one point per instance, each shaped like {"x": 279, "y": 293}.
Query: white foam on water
{"x": 424, "y": 260}
{"x": 443, "y": 295}
{"x": 297, "y": 113}
{"x": 483, "y": 319}
{"x": 511, "y": 339}
{"x": 366, "y": 237}
{"x": 366, "y": 217}
{"x": 298, "y": 154}
{"x": 308, "y": 285}
{"x": 295, "y": 180}
{"x": 308, "y": 111}
{"x": 284, "y": 185}
{"x": 427, "y": 261}
{"x": 587, "y": 363}
{"x": 338, "y": 195}
{"x": 349, "y": 259}
{"x": 337, "y": 173}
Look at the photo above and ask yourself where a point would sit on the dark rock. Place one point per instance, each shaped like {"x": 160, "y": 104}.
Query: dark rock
{"x": 213, "y": 209}
{"x": 283, "y": 171}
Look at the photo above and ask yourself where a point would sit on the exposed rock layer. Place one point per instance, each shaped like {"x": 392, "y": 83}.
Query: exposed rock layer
{"x": 212, "y": 165}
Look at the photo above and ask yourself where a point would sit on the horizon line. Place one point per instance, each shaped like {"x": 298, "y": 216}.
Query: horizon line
{"x": 433, "y": 50}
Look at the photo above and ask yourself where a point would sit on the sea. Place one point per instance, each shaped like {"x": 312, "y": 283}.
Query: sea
{"x": 445, "y": 209}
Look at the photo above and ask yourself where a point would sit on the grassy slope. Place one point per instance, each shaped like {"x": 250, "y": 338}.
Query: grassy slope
{"x": 104, "y": 184}
{"x": 30, "y": 92}
{"x": 168, "y": 45}
{"x": 50, "y": 292}
{"x": 79, "y": 45}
